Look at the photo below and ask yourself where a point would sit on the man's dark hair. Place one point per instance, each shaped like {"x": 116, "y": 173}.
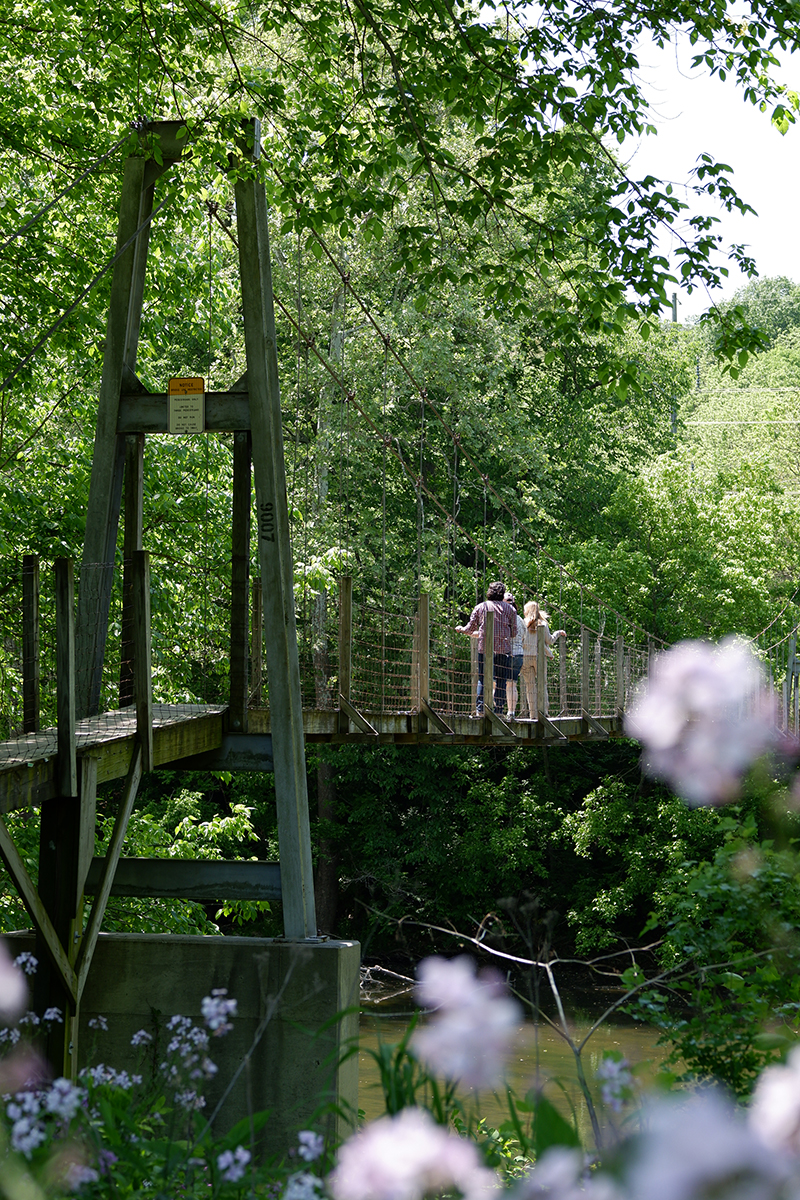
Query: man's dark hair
{"x": 495, "y": 591}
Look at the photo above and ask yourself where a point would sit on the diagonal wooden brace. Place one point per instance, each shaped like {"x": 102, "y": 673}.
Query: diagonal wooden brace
{"x": 594, "y": 726}
{"x": 86, "y": 952}
{"x": 498, "y": 725}
{"x": 441, "y": 725}
{"x": 356, "y": 717}
{"x": 36, "y": 910}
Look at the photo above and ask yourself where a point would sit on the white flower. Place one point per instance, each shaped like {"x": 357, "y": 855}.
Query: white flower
{"x": 99, "y": 1023}
{"x": 141, "y": 1038}
{"x": 557, "y": 1174}
{"x": 471, "y": 1034}
{"x": 311, "y": 1144}
{"x": 231, "y": 1164}
{"x": 27, "y": 962}
{"x": 303, "y": 1186}
{"x": 53, "y": 1014}
{"x": 775, "y": 1110}
{"x": 405, "y": 1157}
{"x": 703, "y": 718}
{"x": 700, "y": 1149}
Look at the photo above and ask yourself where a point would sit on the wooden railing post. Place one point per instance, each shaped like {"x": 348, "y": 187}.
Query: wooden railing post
{"x": 585, "y": 636}
{"x": 30, "y": 643}
{"x": 424, "y": 634}
{"x": 488, "y": 662}
{"x": 473, "y": 669}
{"x": 345, "y": 644}
{"x": 67, "y": 772}
{"x": 598, "y": 675}
{"x": 414, "y": 704}
{"x": 562, "y": 674}
{"x": 256, "y": 643}
{"x": 143, "y": 687}
{"x": 541, "y": 674}
{"x": 620, "y": 664}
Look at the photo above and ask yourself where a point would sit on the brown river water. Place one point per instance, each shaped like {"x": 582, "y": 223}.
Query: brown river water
{"x": 539, "y": 1054}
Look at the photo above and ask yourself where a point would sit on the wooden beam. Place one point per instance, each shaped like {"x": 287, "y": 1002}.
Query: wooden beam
{"x": 356, "y": 717}
{"x": 134, "y": 518}
{"x": 141, "y": 658}
{"x": 256, "y": 643}
{"x": 345, "y": 643}
{"x": 67, "y": 781}
{"x": 274, "y": 546}
{"x": 36, "y": 910}
{"x": 89, "y": 941}
{"x": 30, "y": 643}
{"x": 562, "y": 674}
{"x": 238, "y": 752}
{"x": 226, "y": 412}
{"x": 240, "y": 579}
{"x": 204, "y": 880}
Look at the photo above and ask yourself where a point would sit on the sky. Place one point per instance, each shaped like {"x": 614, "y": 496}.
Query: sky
{"x": 695, "y": 114}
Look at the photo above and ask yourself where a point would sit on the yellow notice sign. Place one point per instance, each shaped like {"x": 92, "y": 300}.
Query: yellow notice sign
{"x": 186, "y": 405}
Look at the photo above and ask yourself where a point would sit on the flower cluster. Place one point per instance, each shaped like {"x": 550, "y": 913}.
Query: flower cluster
{"x": 216, "y": 1010}
{"x": 406, "y": 1157}
{"x": 28, "y": 1113}
{"x": 232, "y": 1163}
{"x": 471, "y": 1034}
{"x": 703, "y": 718}
{"x": 616, "y": 1081}
{"x": 311, "y": 1145}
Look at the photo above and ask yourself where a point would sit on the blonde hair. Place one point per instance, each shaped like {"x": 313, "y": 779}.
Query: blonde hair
{"x": 534, "y": 615}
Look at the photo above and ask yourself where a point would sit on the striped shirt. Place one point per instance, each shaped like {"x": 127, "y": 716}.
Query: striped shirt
{"x": 505, "y": 624}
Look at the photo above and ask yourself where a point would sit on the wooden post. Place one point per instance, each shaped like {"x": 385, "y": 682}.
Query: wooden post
{"x": 598, "y": 675}
{"x": 67, "y": 773}
{"x": 105, "y": 487}
{"x": 30, "y": 643}
{"x": 277, "y": 575}
{"x": 134, "y": 516}
{"x": 143, "y": 687}
{"x": 414, "y": 704}
{"x": 423, "y": 658}
{"x": 562, "y": 674}
{"x": 240, "y": 577}
{"x": 488, "y": 662}
{"x": 473, "y": 668}
{"x": 345, "y": 644}
{"x": 424, "y": 624}
{"x": 585, "y": 636}
{"x": 256, "y": 642}
{"x": 541, "y": 674}
{"x": 620, "y": 664}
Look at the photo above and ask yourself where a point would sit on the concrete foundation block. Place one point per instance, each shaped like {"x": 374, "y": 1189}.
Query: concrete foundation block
{"x": 285, "y": 1043}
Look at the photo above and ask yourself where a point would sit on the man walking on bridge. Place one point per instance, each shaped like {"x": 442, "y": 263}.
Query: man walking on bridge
{"x": 505, "y": 623}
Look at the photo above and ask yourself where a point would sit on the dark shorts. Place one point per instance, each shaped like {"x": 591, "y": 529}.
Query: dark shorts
{"x": 516, "y": 666}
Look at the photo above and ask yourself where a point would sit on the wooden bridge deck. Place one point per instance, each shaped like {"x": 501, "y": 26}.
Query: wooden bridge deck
{"x": 196, "y": 736}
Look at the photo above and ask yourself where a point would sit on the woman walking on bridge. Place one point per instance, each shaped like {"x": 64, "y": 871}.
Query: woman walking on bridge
{"x": 505, "y": 621}
{"x": 535, "y": 619}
